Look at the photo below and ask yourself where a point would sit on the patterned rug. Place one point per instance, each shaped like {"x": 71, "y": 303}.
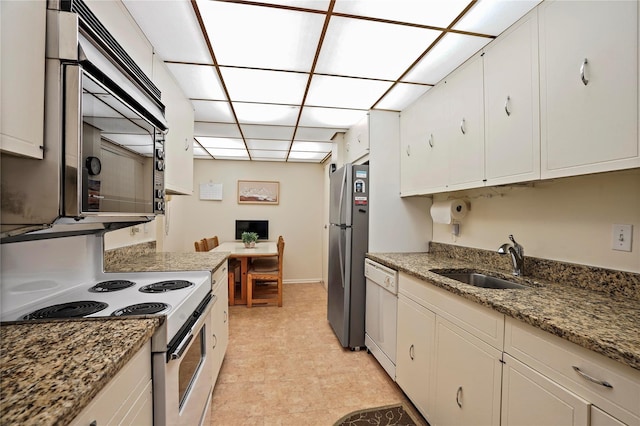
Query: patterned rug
{"x": 390, "y": 415}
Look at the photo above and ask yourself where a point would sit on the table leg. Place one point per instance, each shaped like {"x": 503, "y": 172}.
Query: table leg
{"x": 244, "y": 263}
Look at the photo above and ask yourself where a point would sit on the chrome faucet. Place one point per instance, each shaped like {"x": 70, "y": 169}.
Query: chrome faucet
{"x": 517, "y": 255}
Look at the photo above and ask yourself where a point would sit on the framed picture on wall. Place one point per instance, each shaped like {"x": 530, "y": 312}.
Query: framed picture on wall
{"x": 258, "y": 192}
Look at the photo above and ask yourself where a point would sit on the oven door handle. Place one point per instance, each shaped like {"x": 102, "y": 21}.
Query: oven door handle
{"x": 182, "y": 346}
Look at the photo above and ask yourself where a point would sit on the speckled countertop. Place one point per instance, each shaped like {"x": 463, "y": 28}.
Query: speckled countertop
{"x": 166, "y": 262}
{"x": 51, "y": 370}
{"x": 605, "y": 323}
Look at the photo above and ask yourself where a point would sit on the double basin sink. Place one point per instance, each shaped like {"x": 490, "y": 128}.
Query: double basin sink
{"x": 478, "y": 279}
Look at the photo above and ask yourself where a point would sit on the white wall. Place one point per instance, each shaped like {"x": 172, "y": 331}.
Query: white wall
{"x": 298, "y": 217}
{"x": 567, "y": 219}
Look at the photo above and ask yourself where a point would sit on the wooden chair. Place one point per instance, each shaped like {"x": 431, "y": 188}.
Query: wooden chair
{"x": 212, "y": 242}
{"x": 265, "y": 286}
{"x": 201, "y": 245}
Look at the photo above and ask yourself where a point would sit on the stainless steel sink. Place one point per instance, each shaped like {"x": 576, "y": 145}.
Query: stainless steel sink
{"x": 481, "y": 280}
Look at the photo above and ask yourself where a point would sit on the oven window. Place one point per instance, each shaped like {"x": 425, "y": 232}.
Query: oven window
{"x": 190, "y": 365}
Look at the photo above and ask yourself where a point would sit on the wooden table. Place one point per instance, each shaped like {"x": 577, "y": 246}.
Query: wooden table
{"x": 237, "y": 250}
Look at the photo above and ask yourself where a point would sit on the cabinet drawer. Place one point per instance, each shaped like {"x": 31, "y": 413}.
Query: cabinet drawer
{"x": 556, "y": 358}
{"x": 484, "y": 323}
{"x": 219, "y": 276}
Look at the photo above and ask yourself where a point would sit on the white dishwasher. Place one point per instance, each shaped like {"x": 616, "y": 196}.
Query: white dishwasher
{"x": 381, "y": 314}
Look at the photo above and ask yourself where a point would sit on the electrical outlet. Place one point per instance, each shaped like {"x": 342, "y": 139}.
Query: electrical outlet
{"x": 621, "y": 237}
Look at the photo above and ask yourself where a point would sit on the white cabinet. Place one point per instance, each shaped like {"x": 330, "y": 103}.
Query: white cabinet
{"x": 414, "y": 356}
{"x": 588, "y": 87}
{"x": 126, "y": 399}
{"x": 22, "y": 38}
{"x": 220, "y": 314}
{"x": 530, "y": 399}
{"x": 179, "y": 139}
{"x": 600, "y": 418}
{"x": 467, "y": 378}
{"x": 356, "y": 141}
{"x": 511, "y": 99}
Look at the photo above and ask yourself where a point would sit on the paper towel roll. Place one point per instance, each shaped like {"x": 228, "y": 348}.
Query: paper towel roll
{"x": 448, "y": 211}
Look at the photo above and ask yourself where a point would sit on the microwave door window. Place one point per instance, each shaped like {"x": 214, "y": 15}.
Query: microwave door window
{"x": 122, "y": 143}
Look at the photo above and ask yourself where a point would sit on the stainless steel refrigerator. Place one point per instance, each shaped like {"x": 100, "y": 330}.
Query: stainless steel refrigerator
{"x": 348, "y": 243}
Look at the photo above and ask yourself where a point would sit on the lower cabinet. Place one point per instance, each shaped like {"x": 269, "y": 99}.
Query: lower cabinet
{"x": 529, "y": 398}
{"x": 414, "y": 356}
{"x": 126, "y": 399}
{"x": 467, "y": 378}
{"x": 220, "y": 315}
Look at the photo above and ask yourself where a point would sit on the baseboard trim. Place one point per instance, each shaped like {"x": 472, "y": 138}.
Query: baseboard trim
{"x": 303, "y": 281}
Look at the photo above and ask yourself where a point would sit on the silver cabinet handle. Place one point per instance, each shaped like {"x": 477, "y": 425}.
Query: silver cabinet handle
{"x": 506, "y": 106}
{"x": 215, "y": 341}
{"x": 408, "y": 150}
{"x": 226, "y": 316}
{"x": 459, "y": 397}
{"x": 584, "y": 79}
{"x": 462, "y": 127}
{"x": 411, "y": 352}
{"x": 431, "y": 140}
{"x": 592, "y": 379}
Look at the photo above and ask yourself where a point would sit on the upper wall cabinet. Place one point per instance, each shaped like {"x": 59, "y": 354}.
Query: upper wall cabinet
{"x": 356, "y": 141}
{"x": 588, "y": 87}
{"x": 512, "y": 126}
{"x": 178, "y": 143}
{"x": 22, "y": 38}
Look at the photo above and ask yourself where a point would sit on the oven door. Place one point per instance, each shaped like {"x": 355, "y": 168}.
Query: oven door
{"x": 114, "y": 156}
{"x": 183, "y": 379}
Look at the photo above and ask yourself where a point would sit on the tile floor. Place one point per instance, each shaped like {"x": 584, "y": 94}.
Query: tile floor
{"x": 284, "y": 366}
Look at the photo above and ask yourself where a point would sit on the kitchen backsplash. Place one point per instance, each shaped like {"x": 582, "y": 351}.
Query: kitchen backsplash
{"x": 621, "y": 283}
{"x": 121, "y": 254}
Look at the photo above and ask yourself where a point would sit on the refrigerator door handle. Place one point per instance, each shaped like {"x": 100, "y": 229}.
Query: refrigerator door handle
{"x": 341, "y": 256}
{"x": 340, "y": 205}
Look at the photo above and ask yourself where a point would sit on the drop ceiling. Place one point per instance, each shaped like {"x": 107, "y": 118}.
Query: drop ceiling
{"x": 277, "y": 80}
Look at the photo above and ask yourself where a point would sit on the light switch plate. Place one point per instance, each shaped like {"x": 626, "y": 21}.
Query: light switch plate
{"x": 621, "y": 237}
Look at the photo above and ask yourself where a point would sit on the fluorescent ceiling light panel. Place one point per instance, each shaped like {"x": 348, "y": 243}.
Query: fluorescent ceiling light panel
{"x": 285, "y": 115}
{"x": 359, "y": 48}
{"x": 446, "y": 56}
{"x": 272, "y": 155}
{"x": 263, "y": 86}
{"x": 254, "y": 144}
{"x": 303, "y": 4}
{"x": 437, "y": 13}
{"x": 316, "y": 133}
{"x": 345, "y": 92}
{"x": 221, "y": 143}
{"x": 230, "y": 153}
{"x": 401, "y": 96}
{"x": 225, "y": 130}
{"x": 307, "y": 156}
{"x": 200, "y": 152}
{"x": 252, "y": 131}
{"x": 330, "y": 117}
{"x": 198, "y": 81}
{"x": 218, "y": 111}
{"x": 494, "y": 16}
{"x": 312, "y": 147}
{"x": 261, "y": 37}
{"x": 172, "y": 28}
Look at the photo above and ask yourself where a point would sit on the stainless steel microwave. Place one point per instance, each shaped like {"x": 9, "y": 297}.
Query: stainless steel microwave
{"x": 103, "y": 165}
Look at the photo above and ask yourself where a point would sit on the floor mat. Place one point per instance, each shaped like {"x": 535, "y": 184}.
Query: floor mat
{"x": 390, "y": 415}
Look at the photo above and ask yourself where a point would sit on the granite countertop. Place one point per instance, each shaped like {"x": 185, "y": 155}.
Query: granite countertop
{"x": 166, "y": 262}
{"x": 51, "y": 370}
{"x": 604, "y": 323}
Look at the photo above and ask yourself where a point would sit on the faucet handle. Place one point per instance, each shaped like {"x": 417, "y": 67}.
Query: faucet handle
{"x": 519, "y": 249}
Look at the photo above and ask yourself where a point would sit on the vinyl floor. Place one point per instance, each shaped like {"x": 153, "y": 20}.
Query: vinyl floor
{"x": 284, "y": 366}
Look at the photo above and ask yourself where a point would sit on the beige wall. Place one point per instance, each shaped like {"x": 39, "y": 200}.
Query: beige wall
{"x": 298, "y": 217}
{"x": 565, "y": 219}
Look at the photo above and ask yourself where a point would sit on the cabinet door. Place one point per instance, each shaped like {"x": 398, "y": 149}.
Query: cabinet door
{"x": 465, "y": 126}
{"x": 22, "y": 38}
{"x": 357, "y": 141}
{"x": 600, "y": 418}
{"x": 529, "y": 398}
{"x": 467, "y": 379}
{"x": 588, "y": 86}
{"x": 416, "y": 327}
{"x": 511, "y": 96}
{"x": 220, "y": 319}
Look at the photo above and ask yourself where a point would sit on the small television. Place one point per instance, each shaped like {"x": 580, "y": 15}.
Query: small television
{"x": 260, "y": 227}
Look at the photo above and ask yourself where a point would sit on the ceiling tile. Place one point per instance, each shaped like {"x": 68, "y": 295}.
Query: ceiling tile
{"x": 252, "y": 131}
{"x": 228, "y": 153}
{"x": 172, "y": 29}
{"x": 437, "y": 13}
{"x": 207, "y": 142}
{"x": 271, "y": 155}
{"x": 311, "y": 147}
{"x": 453, "y": 50}
{"x": 331, "y": 117}
{"x": 261, "y": 144}
{"x": 200, "y": 152}
{"x": 358, "y": 48}
{"x": 218, "y": 111}
{"x": 317, "y": 133}
{"x": 224, "y": 130}
{"x": 261, "y": 37}
{"x": 307, "y": 156}
{"x": 493, "y": 17}
{"x": 401, "y": 96}
{"x": 251, "y": 113}
{"x": 198, "y": 81}
{"x": 345, "y": 92}
{"x": 303, "y": 4}
{"x": 276, "y": 87}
